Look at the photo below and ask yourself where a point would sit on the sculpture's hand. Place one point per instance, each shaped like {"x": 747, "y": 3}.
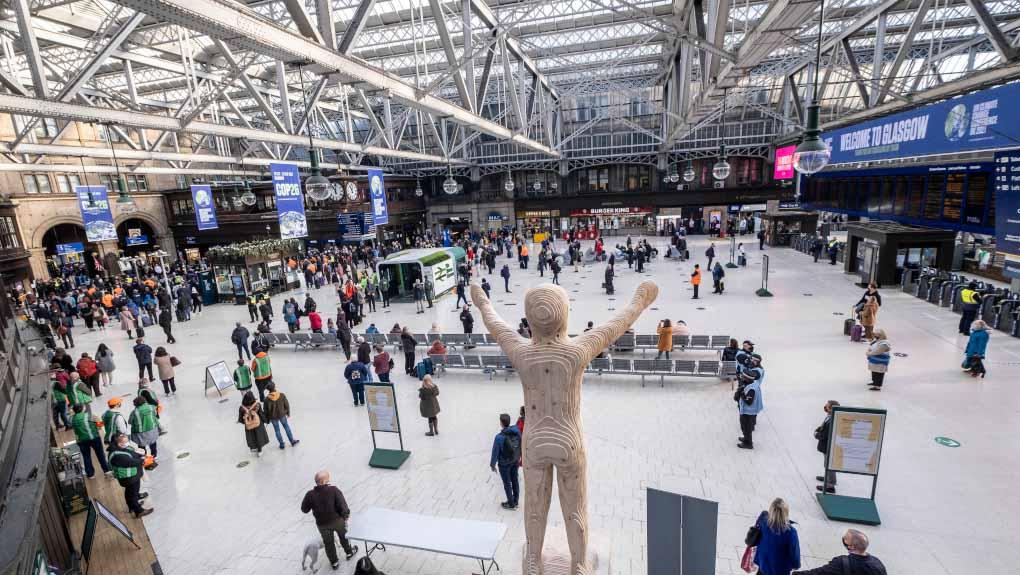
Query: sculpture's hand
{"x": 646, "y": 293}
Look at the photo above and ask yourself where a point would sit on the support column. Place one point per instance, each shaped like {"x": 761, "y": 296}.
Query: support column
{"x": 38, "y": 262}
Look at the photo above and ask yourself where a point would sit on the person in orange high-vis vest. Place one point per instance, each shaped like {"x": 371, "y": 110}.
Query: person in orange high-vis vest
{"x": 696, "y": 280}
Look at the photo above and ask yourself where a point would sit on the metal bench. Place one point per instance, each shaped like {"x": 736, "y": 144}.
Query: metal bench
{"x": 438, "y": 364}
{"x": 701, "y": 342}
{"x": 600, "y": 365}
{"x": 653, "y": 367}
{"x": 681, "y": 341}
{"x": 301, "y": 340}
{"x": 646, "y": 341}
{"x": 421, "y": 338}
{"x": 625, "y": 343}
{"x": 281, "y": 338}
{"x": 316, "y": 340}
{"x": 707, "y": 367}
{"x": 685, "y": 367}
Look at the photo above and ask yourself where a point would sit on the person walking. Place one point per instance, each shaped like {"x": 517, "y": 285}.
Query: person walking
{"x": 717, "y": 278}
{"x": 251, "y": 416}
{"x": 59, "y": 393}
{"x": 166, "y": 322}
{"x": 505, "y": 274}
{"x": 486, "y": 287}
{"x": 696, "y": 280}
{"x": 468, "y": 322}
{"x": 331, "y": 513}
{"x": 461, "y": 291}
{"x": 506, "y": 453}
{"x": 869, "y": 315}
{"x": 143, "y": 355}
{"x": 144, "y": 422}
{"x": 128, "y": 467}
{"x": 86, "y": 434}
{"x": 608, "y": 283}
{"x": 556, "y": 268}
{"x": 761, "y": 239}
{"x": 778, "y": 551}
{"x": 878, "y": 355}
{"x": 262, "y": 369}
{"x": 253, "y": 308}
{"x": 239, "y": 337}
{"x": 277, "y": 410}
{"x": 428, "y": 404}
{"x": 88, "y": 371}
{"x": 665, "y": 331}
{"x": 104, "y": 362}
{"x": 382, "y": 363}
{"x": 749, "y": 401}
{"x": 356, "y": 374}
{"x": 407, "y": 345}
{"x": 343, "y": 333}
{"x": 165, "y": 364}
{"x": 63, "y": 328}
{"x": 243, "y": 377}
{"x": 970, "y": 303}
{"x": 710, "y": 254}
{"x": 857, "y": 561}
{"x": 127, "y": 320}
{"x": 418, "y": 294}
{"x": 977, "y": 343}
{"x": 79, "y": 392}
{"x": 822, "y": 433}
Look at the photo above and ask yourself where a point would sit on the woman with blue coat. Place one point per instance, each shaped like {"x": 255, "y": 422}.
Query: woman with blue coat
{"x": 778, "y": 552}
{"x": 974, "y": 356}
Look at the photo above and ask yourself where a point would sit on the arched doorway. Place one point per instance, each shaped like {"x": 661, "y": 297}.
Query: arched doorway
{"x": 66, "y": 247}
{"x": 135, "y": 236}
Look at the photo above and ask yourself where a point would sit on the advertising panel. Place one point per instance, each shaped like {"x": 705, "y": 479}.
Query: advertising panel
{"x": 1007, "y": 209}
{"x": 377, "y": 193}
{"x": 784, "y": 163}
{"x": 95, "y": 213}
{"x": 205, "y": 209}
{"x": 290, "y": 205}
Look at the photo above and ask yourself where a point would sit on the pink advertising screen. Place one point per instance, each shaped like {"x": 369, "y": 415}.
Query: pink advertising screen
{"x": 784, "y": 163}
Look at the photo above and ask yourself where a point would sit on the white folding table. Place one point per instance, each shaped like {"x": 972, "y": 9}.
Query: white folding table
{"x": 461, "y": 537}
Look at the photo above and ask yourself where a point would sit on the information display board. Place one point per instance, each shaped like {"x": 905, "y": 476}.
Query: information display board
{"x": 382, "y": 408}
{"x": 1007, "y": 209}
{"x": 218, "y": 377}
{"x": 855, "y": 440}
{"x": 97, "y": 510}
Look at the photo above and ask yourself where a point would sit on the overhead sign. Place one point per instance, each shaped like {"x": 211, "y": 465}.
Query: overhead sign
{"x": 137, "y": 240}
{"x": 784, "y": 163}
{"x": 290, "y": 205}
{"x": 1007, "y": 202}
{"x": 978, "y": 121}
{"x": 616, "y": 211}
{"x": 68, "y": 249}
{"x": 205, "y": 209}
{"x": 95, "y": 213}
{"x": 355, "y": 226}
{"x": 377, "y": 193}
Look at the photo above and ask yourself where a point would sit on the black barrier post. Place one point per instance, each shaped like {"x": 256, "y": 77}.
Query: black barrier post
{"x": 733, "y": 252}
{"x": 764, "y": 290}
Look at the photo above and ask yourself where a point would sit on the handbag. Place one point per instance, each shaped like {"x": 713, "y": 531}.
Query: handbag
{"x": 753, "y": 537}
{"x": 747, "y": 561}
{"x": 251, "y": 418}
{"x": 174, "y": 361}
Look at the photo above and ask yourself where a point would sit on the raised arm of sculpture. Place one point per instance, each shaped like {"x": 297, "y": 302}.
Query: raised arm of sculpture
{"x": 598, "y": 339}
{"x": 507, "y": 337}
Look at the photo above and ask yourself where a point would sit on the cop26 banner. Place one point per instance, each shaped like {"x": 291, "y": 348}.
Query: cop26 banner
{"x": 95, "y": 213}
{"x": 290, "y": 206}
{"x": 377, "y": 191}
{"x": 205, "y": 209}
{"x": 983, "y": 120}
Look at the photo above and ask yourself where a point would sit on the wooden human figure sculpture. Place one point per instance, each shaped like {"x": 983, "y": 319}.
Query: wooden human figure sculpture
{"x": 551, "y": 366}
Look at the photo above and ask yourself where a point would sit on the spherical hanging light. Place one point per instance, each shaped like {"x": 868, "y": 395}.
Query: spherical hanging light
{"x": 721, "y": 169}
{"x": 418, "y": 192}
{"x": 450, "y": 185}
{"x": 537, "y": 186}
{"x": 317, "y": 187}
{"x": 689, "y": 172}
{"x": 674, "y": 176}
{"x": 508, "y": 184}
{"x": 248, "y": 198}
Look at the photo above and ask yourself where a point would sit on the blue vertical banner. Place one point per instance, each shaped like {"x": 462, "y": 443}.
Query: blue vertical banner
{"x": 1007, "y": 209}
{"x": 95, "y": 213}
{"x": 205, "y": 209}
{"x": 377, "y": 191}
{"x": 290, "y": 206}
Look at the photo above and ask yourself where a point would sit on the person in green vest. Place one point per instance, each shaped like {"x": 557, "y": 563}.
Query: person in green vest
{"x": 86, "y": 432}
{"x": 263, "y": 372}
{"x": 144, "y": 425}
{"x": 127, "y": 465}
{"x": 59, "y": 394}
{"x": 242, "y": 377}
{"x": 79, "y": 393}
{"x": 114, "y": 423}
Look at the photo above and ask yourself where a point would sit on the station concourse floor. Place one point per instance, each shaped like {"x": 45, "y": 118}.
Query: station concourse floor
{"x": 944, "y": 510}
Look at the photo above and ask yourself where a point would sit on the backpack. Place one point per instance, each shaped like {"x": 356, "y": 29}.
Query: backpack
{"x": 366, "y": 567}
{"x": 251, "y": 417}
{"x": 510, "y": 451}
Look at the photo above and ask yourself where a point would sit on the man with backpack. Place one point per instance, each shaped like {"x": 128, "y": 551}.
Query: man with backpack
{"x": 356, "y": 374}
{"x": 506, "y": 452}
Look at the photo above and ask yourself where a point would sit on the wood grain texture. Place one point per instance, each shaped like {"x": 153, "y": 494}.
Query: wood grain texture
{"x": 551, "y": 367}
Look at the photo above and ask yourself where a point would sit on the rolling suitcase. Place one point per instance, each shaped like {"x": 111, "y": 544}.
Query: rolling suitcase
{"x": 856, "y": 333}
{"x": 848, "y": 325}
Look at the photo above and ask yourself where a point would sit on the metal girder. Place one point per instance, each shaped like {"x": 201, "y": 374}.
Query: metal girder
{"x": 719, "y": 18}
{"x": 255, "y": 95}
{"x": 483, "y": 86}
{"x": 451, "y": 57}
{"x": 905, "y": 45}
{"x": 855, "y": 70}
{"x": 31, "y": 47}
{"x": 999, "y": 41}
{"x": 355, "y": 26}
{"x": 241, "y": 27}
{"x": 798, "y": 104}
{"x": 373, "y": 118}
{"x": 12, "y": 83}
{"x": 511, "y": 89}
{"x": 296, "y": 8}
{"x": 281, "y": 85}
{"x": 860, "y": 23}
{"x": 327, "y": 27}
{"x": 487, "y": 16}
{"x": 25, "y": 106}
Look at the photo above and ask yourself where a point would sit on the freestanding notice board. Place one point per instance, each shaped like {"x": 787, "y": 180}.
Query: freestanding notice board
{"x": 383, "y": 417}
{"x": 855, "y": 447}
{"x": 218, "y": 376}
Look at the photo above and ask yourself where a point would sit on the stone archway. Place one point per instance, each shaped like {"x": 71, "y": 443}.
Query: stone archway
{"x": 37, "y": 235}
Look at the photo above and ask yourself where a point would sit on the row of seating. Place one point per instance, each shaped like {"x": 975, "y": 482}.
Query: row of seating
{"x": 627, "y": 342}
{"x": 662, "y": 368}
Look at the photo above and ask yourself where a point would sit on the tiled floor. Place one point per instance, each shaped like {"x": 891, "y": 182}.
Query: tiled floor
{"x": 944, "y": 511}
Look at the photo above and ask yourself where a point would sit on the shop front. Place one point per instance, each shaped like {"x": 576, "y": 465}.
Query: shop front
{"x": 537, "y": 224}
{"x": 239, "y": 271}
{"x": 589, "y": 223}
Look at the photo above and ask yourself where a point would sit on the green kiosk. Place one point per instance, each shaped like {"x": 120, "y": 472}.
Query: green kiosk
{"x": 398, "y": 272}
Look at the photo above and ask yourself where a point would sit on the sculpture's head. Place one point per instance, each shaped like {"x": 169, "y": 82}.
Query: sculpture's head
{"x": 546, "y": 308}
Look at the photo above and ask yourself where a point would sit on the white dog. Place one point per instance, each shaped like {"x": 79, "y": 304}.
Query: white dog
{"x": 311, "y": 553}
